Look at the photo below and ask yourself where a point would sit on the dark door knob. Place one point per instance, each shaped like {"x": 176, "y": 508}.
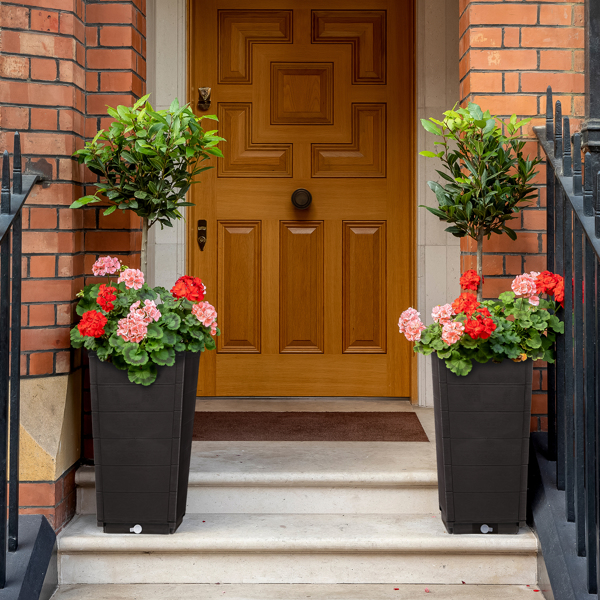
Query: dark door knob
{"x": 301, "y": 199}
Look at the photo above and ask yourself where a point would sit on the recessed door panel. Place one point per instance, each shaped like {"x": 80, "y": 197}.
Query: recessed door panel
{"x": 301, "y": 284}
{"x": 364, "y": 260}
{"x": 239, "y": 291}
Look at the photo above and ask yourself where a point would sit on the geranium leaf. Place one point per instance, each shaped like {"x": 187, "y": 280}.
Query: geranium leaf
{"x": 135, "y": 355}
{"x": 145, "y": 375}
{"x": 168, "y": 338}
{"x": 171, "y": 321}
{"x": 155, "y": 331}
{"x": 164, "y": 357}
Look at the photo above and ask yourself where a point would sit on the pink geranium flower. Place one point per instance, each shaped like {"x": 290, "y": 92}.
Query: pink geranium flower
{"x": 206, "y": 314}
{"x": 442, "y": 314}
{"x": 133, "y": 278}
{"x": 412, "y": 329}
{"x": 452, "y": 332}
{"x": 408, "y": 315}
{"x": 133, "y": 328}
{"x": 148, "y": 312}
{"x": 526, "y": 286}
{"x": 106, "y": 265}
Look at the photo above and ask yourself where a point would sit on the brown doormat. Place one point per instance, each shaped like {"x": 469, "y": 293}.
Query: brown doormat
{"x": 308, "y": 427}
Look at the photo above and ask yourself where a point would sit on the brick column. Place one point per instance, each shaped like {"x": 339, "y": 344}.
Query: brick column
{"x": 509, "y": 53}
{"x": 60, "y": 64}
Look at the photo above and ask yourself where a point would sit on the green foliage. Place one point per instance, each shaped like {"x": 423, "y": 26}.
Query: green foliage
{"x": 522, "y": 331}
{"x": 487, "y": 177}
{"x": 147, "y": 160}
{"x": 177, "y": 330}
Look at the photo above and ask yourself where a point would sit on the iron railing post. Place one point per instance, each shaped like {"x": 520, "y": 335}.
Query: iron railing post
{"x": 4, "y": 359}
{"x": 553, "y": 404}
{"x": 15, "y": 357}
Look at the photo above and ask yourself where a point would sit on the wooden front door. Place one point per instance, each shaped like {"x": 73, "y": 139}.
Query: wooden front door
{"x": 313, "y": 95}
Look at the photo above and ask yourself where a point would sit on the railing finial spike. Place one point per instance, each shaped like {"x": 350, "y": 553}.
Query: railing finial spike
{"x": 17, "y": 172}
{"x": 577, "y": 182}
{"x": 5, "y": 194}
{"x": 549, "y": 115}
{"x": 567, "y": 157}
{"x": 558, "y": 150}
{"x": 588, "y": 186}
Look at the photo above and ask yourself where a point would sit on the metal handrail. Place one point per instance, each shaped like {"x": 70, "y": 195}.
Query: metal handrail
{"x": 573, "y": 234}
{"x": 11, "y": 203}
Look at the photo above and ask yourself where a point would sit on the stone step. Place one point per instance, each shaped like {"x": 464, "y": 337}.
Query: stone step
{"x": 301, "y": 477}
{"x": 295, "y": 592}
{"x": 300, "y": 548}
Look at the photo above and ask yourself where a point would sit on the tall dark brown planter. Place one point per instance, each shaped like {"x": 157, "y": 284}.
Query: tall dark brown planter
{"x": 482, "y": 437}
{"x": 142, "y": 445}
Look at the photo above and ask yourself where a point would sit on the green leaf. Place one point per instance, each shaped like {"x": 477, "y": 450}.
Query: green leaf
{"x": 144, "y": 375}
{"x": 110, "y": 210}
{"x": 117, "y": 342}
{"x": 103, "y": 352}
{"x": 134, "y": 354}
{"x": 171, "y": 321}
{"x": 83, "y": 201}
{"x": 164, "y": 357}
{"x": 168, "y": 338}
{"x": 76, "y": 338}
{"x": 155, "y": 331}
{"x": 431, "y": 127}
{"x": 475, "y": 111}
{"x": 459, "y": 365}
{"x": 196, "y": 346}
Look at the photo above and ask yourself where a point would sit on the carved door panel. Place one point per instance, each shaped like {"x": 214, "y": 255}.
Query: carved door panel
{"x": 313, "y": 95}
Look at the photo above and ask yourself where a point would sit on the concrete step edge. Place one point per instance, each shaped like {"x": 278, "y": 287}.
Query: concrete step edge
{"x": 85, "y": 477}
{"x": 414, "y": 534}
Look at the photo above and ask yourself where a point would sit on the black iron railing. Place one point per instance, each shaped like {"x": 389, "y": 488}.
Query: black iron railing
{"x": 11, "y": 203}
{"x": 573, "y": 228}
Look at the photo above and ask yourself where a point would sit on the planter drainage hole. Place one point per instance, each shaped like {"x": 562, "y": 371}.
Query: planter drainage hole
{"x": 484, "y": 529}
{"x": 138, "y": 529}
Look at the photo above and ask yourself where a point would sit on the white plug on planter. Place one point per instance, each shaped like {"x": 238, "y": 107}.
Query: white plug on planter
{"x": 484, "y": 528}
{"x": 138, "y": 529}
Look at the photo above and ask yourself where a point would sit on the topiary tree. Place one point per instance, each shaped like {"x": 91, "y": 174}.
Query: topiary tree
{"x": 147, "y": 160}
{"x": 487, "y": 176}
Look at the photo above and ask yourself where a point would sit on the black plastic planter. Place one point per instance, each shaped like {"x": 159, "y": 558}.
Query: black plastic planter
{"x": 482, "y": 437}
{"x": 142, "y": 445}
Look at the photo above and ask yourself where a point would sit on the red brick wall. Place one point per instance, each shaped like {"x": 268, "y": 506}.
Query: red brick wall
{"x": 509, "y": 53}
{"x": 61, "y": 63}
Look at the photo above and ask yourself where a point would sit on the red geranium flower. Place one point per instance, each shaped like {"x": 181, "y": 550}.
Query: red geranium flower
{"x": 559, "y": 292}
{"x": 106, "y": 295}
{"x": 546, "y": 282}
{"x": 482, "y": 310}
{"x": 189, "y": 287}
{"x": 92, "y": 324}
{"x": 465, "y": 303}
{"x": 470, "y": 280}
{"x": 480, "y": 327}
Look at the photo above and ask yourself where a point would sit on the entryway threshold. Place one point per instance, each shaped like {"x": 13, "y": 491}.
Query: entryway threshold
{"x": 388, "y": 591}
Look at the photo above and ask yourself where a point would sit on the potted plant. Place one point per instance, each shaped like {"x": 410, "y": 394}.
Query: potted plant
{"x": 482, "y": 357}
{"x": 144, "y": 343}
{"x": 483, "y": 351}
{"x": 146, "y": 162}
{"x": 488, "y": 178}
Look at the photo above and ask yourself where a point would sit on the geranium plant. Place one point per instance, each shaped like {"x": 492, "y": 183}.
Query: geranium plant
{"x": 138, "y": 328}
{"x": 520, "y": 324}
{"x": 487, "y": 176}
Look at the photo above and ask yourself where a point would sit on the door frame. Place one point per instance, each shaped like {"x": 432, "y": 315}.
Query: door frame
{"x": 194, "y": 23}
